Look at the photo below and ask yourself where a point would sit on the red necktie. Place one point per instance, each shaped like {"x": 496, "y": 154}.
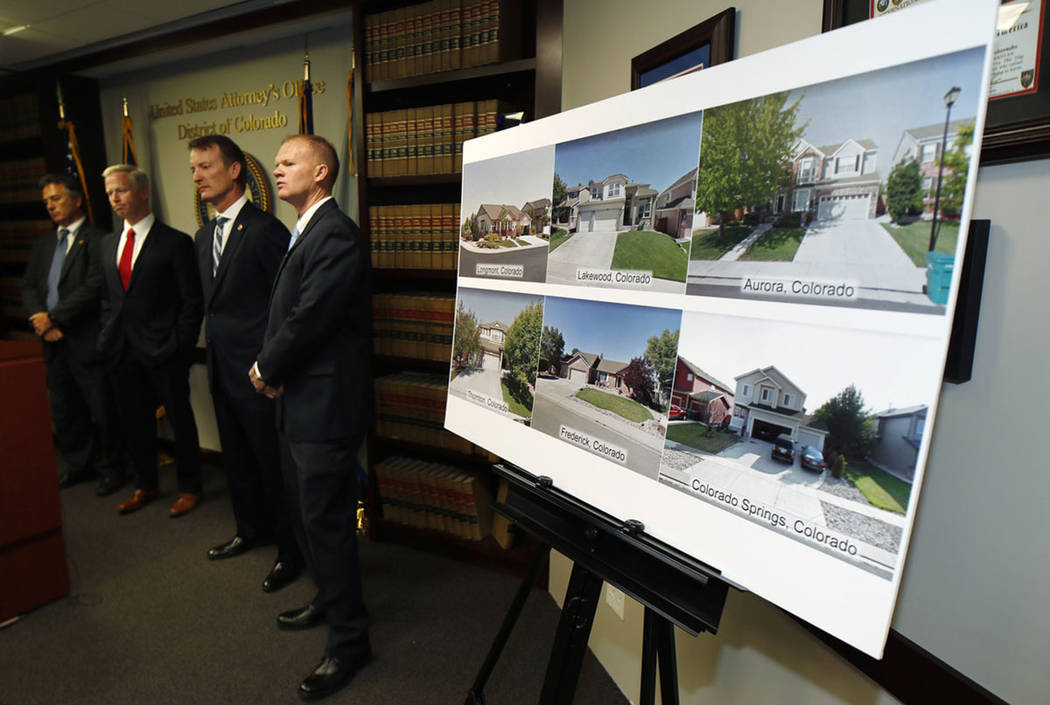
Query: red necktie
{"x": 125, "y": 259}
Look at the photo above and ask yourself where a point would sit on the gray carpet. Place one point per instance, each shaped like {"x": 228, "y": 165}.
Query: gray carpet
{"x": 150, "y": 620}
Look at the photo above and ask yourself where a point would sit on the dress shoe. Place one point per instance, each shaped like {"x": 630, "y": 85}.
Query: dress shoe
{"x": 185, "y": 504}
{"x": 331, "y": 675}
{"x": 75, "y": 477}
{"x": 282, "y": 574}
{"x": 108, "y": 485}
{"x": 302, "y": 618}
{"x": 137, "y": 501}
{"x": 234, "y": 547}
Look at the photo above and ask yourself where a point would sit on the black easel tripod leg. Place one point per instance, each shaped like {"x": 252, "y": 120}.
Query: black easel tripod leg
{"x": 476, "y": 696}
{"x": 658, "y": 647}
{"x": 570, "y": 643}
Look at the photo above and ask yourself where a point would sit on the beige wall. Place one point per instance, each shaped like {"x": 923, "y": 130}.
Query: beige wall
{"x": 252, "y": 66}
{"x": 974, "y": 587}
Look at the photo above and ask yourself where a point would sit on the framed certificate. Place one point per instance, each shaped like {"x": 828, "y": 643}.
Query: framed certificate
{"x": 1018, "y": 121}
{"x": 706, "y": 44}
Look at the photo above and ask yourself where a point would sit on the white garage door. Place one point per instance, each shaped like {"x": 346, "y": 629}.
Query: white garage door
{"x": 851, "y": 207}
{"x": 601, "y": 220}
{"x": 808, "y": 438}
{"x": 578, "y": 376}
{"x": 490, "y": 361}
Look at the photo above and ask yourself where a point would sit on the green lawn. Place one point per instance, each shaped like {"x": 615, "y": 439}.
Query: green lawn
{"x": 696, "y": 435}
{"x": 708, "y": 246}
{"x": 914, "y": 238}
{"x": 558, "y": 237}
{"x": 455, "y": 371}
{"x": 627, "y": 408}
{"x": 775, "y": 245}
{"x": 650, "y": 251}
{"x": 880, "y": 488}
{"x": 522, "y": 407}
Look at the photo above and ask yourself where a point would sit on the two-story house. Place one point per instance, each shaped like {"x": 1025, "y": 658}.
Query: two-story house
{"x": 923, "y": 144}
{"x": 613, "y": 204}
{"x": 832, "y": 182}
{"x": 589, "y": 368}
{"x": 900, "y": 435}
{"x": 700, "y": 394}
{"x": 539, "y": 212}
{"x": 493, "y": 338}
{"x": 502, "y": 219}
{"x": 674, "y": 207}
{"x": 767, "y": 404}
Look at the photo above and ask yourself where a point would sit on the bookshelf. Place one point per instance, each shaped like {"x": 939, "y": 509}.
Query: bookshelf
{"x": 419, "y": 101}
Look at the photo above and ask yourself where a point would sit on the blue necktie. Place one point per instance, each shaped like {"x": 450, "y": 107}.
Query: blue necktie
{"x": 216, "y": 250}
{"x": 56, "y": 269}
{"x": 295, "y": 236}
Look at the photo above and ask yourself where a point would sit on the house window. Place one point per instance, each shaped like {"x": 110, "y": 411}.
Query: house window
{"x": 747, "y": 390}
{"x": 787, "y": 400}
{"x": 844, "y": 164}
{"x": 689, "y": 377}
{"x": 929, "y": 153}
{"x": 801, "y": 200}
{"x": 806, "y": 171}
{"x": 766, "y": 393}
{"x": 614, "y": 190}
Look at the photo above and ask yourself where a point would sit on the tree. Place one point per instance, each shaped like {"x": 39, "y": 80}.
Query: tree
{"x": 522, "y": 347}
{"x": 552, "y": 346}
{"x": 640, "y": 376}
{"x": 956, "y": 168}
{"x": 851, "y": 429}
{"x": 466, "y": 340}
{"x": 743, "y": 153}
{"x": 558, "y": 198}
{"x": 662, "y": 350}
{"x": 904, "y": 190}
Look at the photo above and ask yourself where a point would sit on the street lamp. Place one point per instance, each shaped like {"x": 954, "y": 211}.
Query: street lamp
{"x": 949, "y": 99}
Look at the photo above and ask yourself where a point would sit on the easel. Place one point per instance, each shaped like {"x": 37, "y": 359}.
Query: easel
{"x": 674, "y": 588}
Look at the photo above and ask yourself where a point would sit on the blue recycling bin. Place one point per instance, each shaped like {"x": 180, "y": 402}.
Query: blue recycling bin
{"x": 939, "y": 268}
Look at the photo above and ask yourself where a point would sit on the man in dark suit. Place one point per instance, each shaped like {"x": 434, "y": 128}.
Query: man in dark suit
{"x": 314, "y": 361}
{"x": 237, "y": 255}
{"x": 150, "y": 324}
{"x": 62, "y": 291}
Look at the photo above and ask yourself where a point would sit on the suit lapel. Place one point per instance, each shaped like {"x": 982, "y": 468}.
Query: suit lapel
{"x": 78, "y": 245}
{"x": 144, "y": 254}
{"x": 318, "y": 214}
{"x": 229, "y": 250}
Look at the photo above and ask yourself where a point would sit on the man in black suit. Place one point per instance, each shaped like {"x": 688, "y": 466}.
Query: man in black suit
{"x": 62, "y": 291}
{"x": 151, "y": 318}
{"x": 237, "y": 255}
{"x": 314, "y": 361}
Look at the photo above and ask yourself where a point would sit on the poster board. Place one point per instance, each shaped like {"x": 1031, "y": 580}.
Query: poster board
{"x": 583, "y": 334}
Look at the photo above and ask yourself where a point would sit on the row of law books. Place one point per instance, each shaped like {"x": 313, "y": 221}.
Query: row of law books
{"x": 410, "y": 406}
{"x": 413, "y": 325}
{"x": 19, "y": 118}
{"x": 427, "y": 140}
{"x": 435, "y": 496}
{"x": 439, "y": 35}
{"x": 17, "y": 237}
{"x": 19, "y": 179}
{"x": 415, "y": 236}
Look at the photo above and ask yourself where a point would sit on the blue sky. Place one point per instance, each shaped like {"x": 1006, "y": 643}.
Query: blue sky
{"x": 492, "y": 306}
{"x": 882, "y": 104}
{"x": 656, "y": 153}
{"x": 617, "y": 331}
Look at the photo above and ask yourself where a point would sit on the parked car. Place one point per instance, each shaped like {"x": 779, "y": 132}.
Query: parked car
{"x": 676, "y": 412}
{"x": 783, "y": 448}
{"x": 812, "y": 459}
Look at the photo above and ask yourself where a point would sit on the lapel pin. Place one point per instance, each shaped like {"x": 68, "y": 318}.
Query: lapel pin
{"x": 240, "y": 226}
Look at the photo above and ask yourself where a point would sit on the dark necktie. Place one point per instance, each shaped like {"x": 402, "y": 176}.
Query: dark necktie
{"x": 216, "y": 250}
{"x": 55, "y": 273}
{"x": 125, "y": 259}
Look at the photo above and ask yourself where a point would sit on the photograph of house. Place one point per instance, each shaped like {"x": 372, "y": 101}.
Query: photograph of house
{"x": 622, "y": 206}
{"x": 494, "y": 351}
{"x": 607, "y": 392}
{"x": 834, "y": 202}
{"x": 498, "y": 239}
{"x": 802, "y": 440}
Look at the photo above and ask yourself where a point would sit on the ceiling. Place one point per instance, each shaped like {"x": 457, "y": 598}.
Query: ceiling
{"x": 57, "y": 30}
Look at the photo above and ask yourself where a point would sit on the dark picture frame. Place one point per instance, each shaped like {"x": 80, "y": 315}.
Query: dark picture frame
{"x": 1017, "y": 128}
{"x": 717, "y": 32}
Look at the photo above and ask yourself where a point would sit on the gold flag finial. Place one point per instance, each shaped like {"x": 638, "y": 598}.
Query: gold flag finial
{"x": 61, "y": 103}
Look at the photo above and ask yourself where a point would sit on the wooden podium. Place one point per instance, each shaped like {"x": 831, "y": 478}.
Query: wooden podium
{"x": 32, "y": 549}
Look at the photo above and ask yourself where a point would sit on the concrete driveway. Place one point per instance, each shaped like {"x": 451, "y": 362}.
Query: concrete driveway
{"x": 486, "y": 381}
{"x": 593, "y": 250}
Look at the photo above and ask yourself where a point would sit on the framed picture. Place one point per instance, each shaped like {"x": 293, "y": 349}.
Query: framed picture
{"x": 706, "y": 44}
{"x": 1017, "y": 127}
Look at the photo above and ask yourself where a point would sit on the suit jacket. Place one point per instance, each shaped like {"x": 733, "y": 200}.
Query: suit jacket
{"x": 158, "y": 318}
{"x": 236, "y": 297}
{"x": 77, "y": 313}
{"x": 317, "y": 335}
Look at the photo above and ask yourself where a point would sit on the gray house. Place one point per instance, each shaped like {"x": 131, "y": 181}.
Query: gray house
{"x": 900, "y": 435}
